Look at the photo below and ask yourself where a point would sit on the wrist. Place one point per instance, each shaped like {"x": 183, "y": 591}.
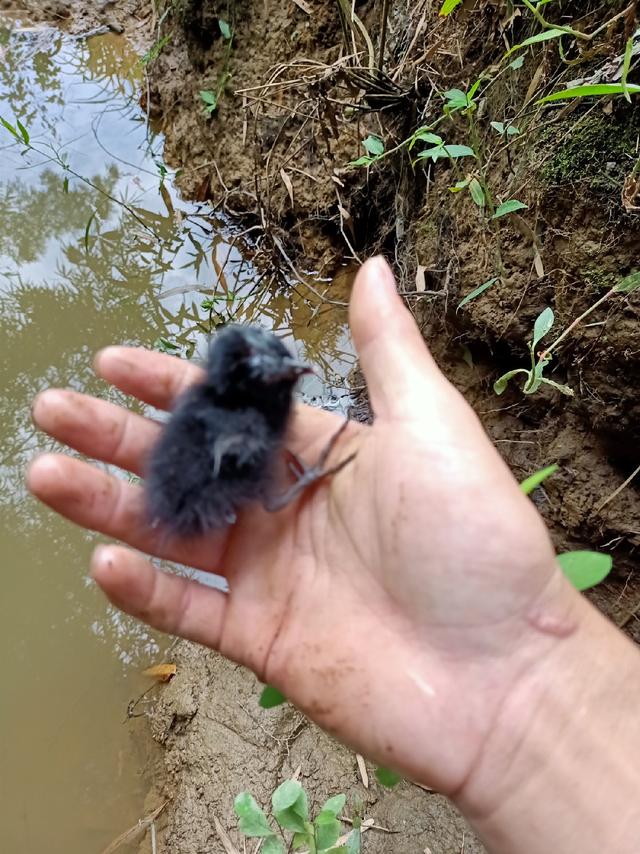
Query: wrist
{"x": 559, "y": 769}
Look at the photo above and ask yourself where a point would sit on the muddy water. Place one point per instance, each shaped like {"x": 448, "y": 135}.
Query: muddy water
{"x": 116, "y": 257}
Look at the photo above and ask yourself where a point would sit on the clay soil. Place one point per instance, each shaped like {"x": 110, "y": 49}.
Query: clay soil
{"x": 274, "y": 154}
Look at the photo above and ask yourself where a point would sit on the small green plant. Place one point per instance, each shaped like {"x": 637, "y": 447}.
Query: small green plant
{"x": 225, "y": 30}
{"x": 476, "y": 292}
{"x": 537, "y": 479}
{"x": 294, "y": 829}
{"x": 448, "y": 6}
{"x": 584, "y": 569}
{"x": 439, "y": 149}
{"x": 155, "y": 50}
{"x": 271, "y": 697}
{"x": 535, "y": 374}
{"x": 210, "y": 101}
{"x": 535, "y": 377}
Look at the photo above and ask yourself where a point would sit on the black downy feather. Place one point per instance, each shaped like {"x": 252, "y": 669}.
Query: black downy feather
{"x": 219, "y": 449}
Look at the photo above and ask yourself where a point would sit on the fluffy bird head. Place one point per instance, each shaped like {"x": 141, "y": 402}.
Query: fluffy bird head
{"x": 248, "y": 365}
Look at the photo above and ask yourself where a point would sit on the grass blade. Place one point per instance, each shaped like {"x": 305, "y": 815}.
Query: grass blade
{"x": 476, "y": 292}
{"x": 595, "y": 89}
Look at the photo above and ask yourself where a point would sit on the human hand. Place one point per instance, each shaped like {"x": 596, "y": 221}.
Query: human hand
{"x": 399, "y": 604}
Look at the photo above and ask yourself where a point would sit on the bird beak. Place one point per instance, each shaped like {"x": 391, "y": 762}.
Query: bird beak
{"x": 285, "y": 369}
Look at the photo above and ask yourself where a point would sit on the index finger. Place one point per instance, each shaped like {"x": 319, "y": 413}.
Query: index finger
{"x": 158, "y": 379}
{"x": 152, "y": 377}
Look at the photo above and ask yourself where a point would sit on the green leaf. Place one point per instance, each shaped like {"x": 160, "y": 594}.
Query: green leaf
{"x": 448, "y": 6}
{"x": 374, "y": 145}
{"x": 290, "y": 806}
{"x": 476, "y": 292}
{"x": 65, "y": 185}
{"x": 387, "y": 778}
{"x": 477, "y": 193}
{"x": 327, "y": 831}
{"x": 154, "y": 52}
{"x": 629, "y": 284}
{"x": 334, "y": 805}
{"x": 301, "y": 840}
{"x": 456, "y": 99}
{"x": 425, "y": 135}
{"x": 455, "y": 151}
{"x": 534, "y": 379}
{"x": 517, "y": 63}
{"x": 253, "y": 822}
{"x": 534, "y": 480}
{"x": 565, "y": 389}
{"x": 626, "y": 65}
{"x": 354, "y": 841}
{"x": 24, "y": 133}
{"x": 544, "y": 322}
{"x": 460, "y": 185}
{"x": 225, "y": 29}
{"x": 501, "y": 128}
{"x": 272, "y": 845}
{"x": 472, "y": 91}
{"x": 9, "y": 127}
{"x": 596, "y": 89}
{"x": 434, "y": 153}
{"x": 452, "y": 151}
{"x": 209, "y": 98}
{"x": 270, "y": 697}
{"x": 585, "y": 569}
{"x": 544, "y": 36}
{"x": 365, "y": 160}
{"x": 509, "y": 207}
{"x": 501, "y": 383}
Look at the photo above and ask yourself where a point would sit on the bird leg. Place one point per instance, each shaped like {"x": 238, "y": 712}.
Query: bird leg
{"x": 306, "y": 475}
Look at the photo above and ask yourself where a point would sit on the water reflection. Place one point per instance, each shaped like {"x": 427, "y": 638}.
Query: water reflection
{"x": 116, "y": 257}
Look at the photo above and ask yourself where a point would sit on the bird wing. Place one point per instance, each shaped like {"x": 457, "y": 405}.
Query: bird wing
{"x": 245, "y": 439}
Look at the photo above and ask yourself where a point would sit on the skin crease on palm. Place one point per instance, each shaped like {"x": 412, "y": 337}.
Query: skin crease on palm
{"x": 400, "y": 604}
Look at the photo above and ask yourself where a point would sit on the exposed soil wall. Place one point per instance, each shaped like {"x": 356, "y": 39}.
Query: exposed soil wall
{"x": 293, "y": 113}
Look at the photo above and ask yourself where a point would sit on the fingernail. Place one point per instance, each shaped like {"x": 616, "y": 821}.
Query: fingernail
{"x": 101, "y": 561}
{"x": 114, "y": 353}
{"x": 382, "y": 272}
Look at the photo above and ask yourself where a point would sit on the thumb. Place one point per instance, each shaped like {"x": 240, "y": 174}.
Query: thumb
{"x": 401, "y": 374}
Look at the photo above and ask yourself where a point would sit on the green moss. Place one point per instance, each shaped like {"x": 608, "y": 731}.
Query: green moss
{"x": 600, "y": 279}
{"x": 597, "y": 150}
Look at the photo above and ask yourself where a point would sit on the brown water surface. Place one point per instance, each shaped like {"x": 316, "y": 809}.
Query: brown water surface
{"x": 117, "y": 257}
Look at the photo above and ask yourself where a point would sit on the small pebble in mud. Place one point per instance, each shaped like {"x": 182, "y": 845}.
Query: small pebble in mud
{"x": 220, "y": 448}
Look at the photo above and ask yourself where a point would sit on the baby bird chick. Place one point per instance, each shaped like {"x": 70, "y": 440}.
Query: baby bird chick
{"x": 219, "y": 450}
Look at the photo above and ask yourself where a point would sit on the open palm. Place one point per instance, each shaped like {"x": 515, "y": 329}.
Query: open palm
{"x": 396, "y": 603}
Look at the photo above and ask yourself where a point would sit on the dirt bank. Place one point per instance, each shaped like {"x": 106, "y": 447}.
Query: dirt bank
{"x": 293, "y": 110}
{"x": 218, "y": 742}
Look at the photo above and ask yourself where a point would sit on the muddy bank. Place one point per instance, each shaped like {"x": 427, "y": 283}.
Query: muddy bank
{"x": 84, "y": 17}
{"x": 218, "y": 742}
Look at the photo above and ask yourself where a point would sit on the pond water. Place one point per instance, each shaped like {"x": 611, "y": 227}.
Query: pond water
{"x": 100, "y": 253}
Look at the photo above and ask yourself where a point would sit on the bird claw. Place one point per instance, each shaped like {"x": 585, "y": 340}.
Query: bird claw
{"x": 306, "y": 475}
